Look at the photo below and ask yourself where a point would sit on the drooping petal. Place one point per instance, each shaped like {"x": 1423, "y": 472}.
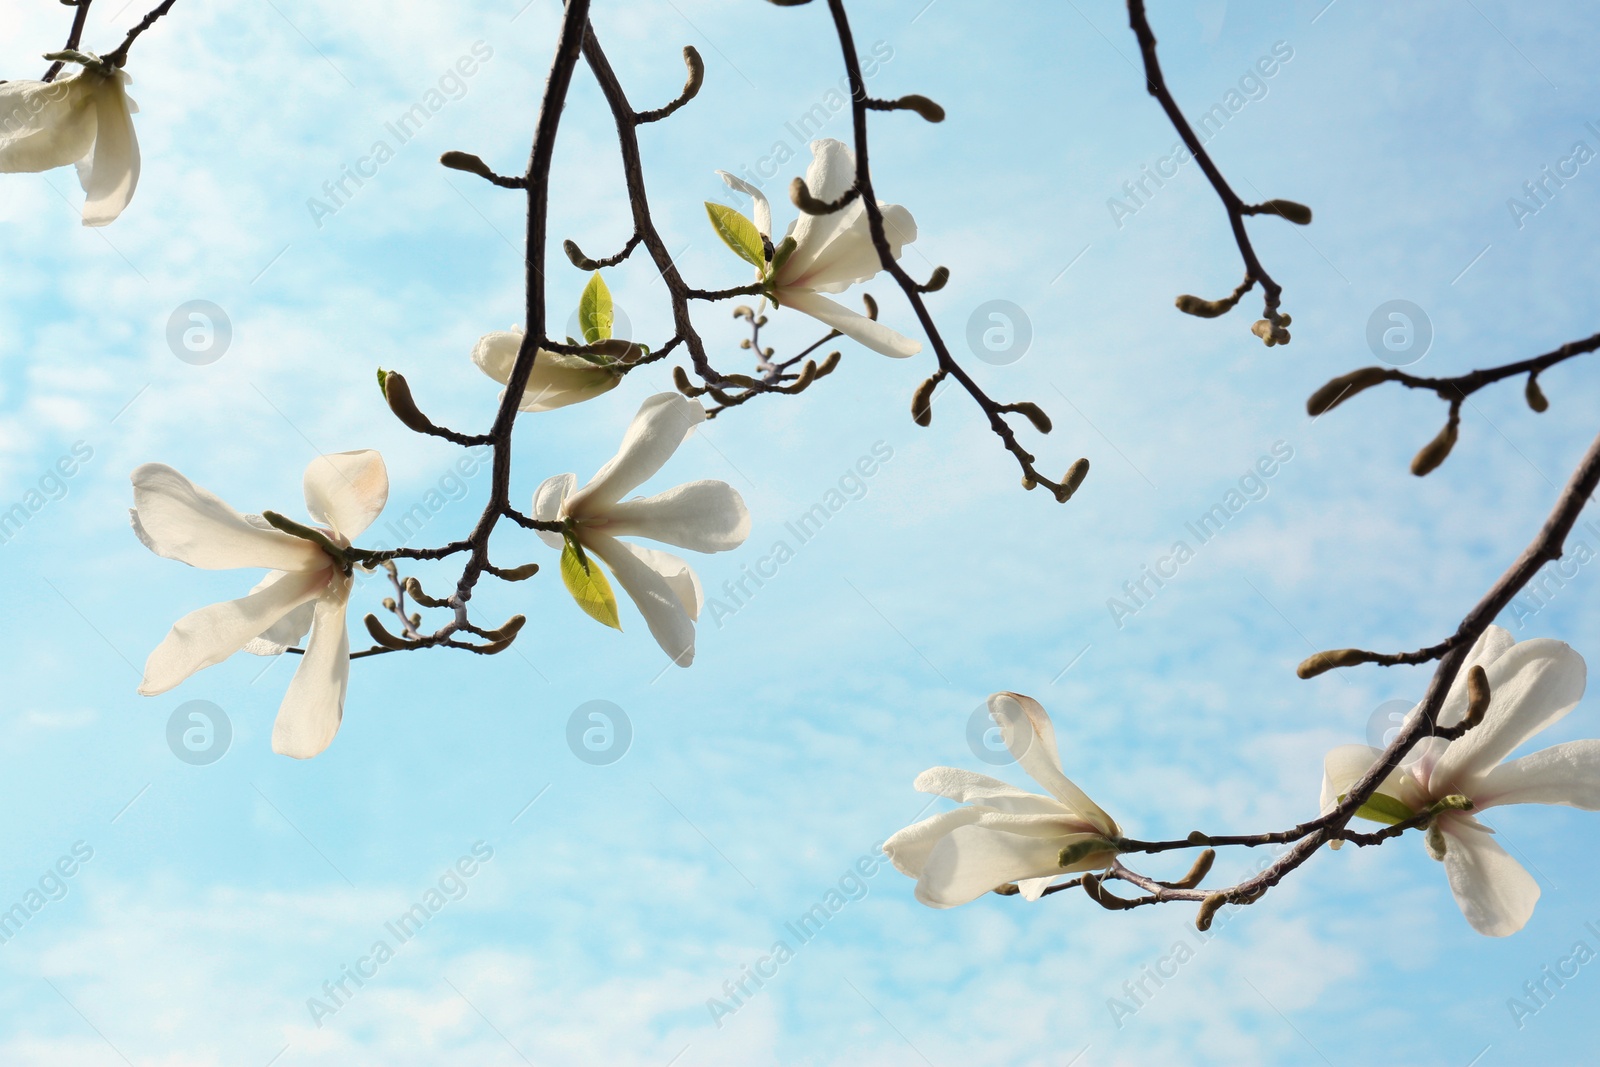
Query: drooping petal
{"x": 1493, "y": 890}
{"x": 215, "y": 632}
{"x": 763, "y": 210}
{"x": 663, "y": 423}
{"x": 908, "y": 849}
{"x": 314, "y": 704}
{"x": 704, "y": 516}
{"x": 179, "y": 520}
{"x": 1030, "y": 737}
{"x": 997, "y": 848}
{"x": 547, "y": 501}
{"x": 284, "y": 633}
{"x": 849, "y": 256}
{"x": 1531, "y": 686}
{"x": 44, "y": 125}
{"x": 347, "y": 490}
{"x": 1566, "y": 774}
{"x": 869, "y": 332}
{"x": 679, "y": 576}
{"x": 969, "y": 787}
{"x": 110, "y": 172}
{"x": 656, "y": 598}
{"x": 1490, "y": 646}
{"x": 558, "y": 378}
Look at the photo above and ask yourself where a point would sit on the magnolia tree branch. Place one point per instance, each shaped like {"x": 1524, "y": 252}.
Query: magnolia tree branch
{"x": 119, "y": 56}
{"x": 1452, "y": 391}
{"x": 1272, "y": 328}
{"x": 921, "y": 403}
{"x": 1306, "y": 838}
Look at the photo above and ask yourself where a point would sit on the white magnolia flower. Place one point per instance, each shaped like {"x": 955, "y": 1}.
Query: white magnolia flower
{"x": 834, "y": 252}
{"x": 83, "y": 118}
{"x": 1532, "y": 684}
{"x": 306, "y": 590}
{"x": 558, "y": 379}
{"x": 704, "y": 516}
{"x": 1003, "y": 834}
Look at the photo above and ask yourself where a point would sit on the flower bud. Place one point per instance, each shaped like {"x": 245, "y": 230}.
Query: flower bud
{"x": 1342, "y": 388}
{"x": 518, "y": 574}
{"x": 1321, "y": 662}
{"x": 1034, "y": 414}
{"x": 1535, "y": 395}
{"x": 1477, "y": 696}
{"x": 1200, "y": 307}
{"x": 1208, "y": 911}
{"x": 680, "y": 378}
{"x": 398, "y": 394}
{"x": 382, "y": 636}
{"x": 936, "y": 281}
{"x": 1434, "y": 452}
{"x": 1296, "y": 213}
{"x": 1072, "y": 479}
{"x": 922, "y": 402}
{"x": 1198, "y": 872}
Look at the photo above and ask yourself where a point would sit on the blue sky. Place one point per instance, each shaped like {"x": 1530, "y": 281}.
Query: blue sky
{"x": 617, "y": 899}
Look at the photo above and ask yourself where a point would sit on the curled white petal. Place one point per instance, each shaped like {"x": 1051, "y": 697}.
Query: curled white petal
{"x": 313, "y": 706}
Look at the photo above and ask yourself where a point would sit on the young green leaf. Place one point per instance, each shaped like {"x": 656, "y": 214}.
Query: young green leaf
{"x": 739, "y": 234}
{"x": 588, "y": 585}
{"x": 594, "y": 310}
{"x": 1380, "y": 807}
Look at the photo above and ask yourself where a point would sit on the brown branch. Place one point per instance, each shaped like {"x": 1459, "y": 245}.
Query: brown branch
{"x": 120, "y": 56}
{"x": 1031, "y": 477}
{"x": 74, "y": 38}
{"x": 1237, "y": 209}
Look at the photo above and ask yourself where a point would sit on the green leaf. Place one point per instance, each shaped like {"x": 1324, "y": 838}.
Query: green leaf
{"x": 739, "y": 234}
{"x": 781, "y": 255}
{"x": 588, "y": 585}
{"x": 594, "y": 310}
{"x": 1380, "y": 807}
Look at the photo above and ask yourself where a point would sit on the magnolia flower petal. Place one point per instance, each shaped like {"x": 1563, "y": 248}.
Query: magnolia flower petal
{"x": 347, "y": 490}
{"x": 110, "y": 172}
{"x": 1030, "y": 737}
{"x": 1490, "y": 646}
{"x": 314, "y": 704}
{"x": 496, "y": 353}
{"x": 1566, "y": 774}
{"x": 1531, "y": 686}
{"x": 658, "y": 600}
{"x": 663, "y": 423}
{"x": 763, "y": 210}
{"x": 704, "y": 516}
{"x": 179, "y": 520}
{"x": 869, "y": 332}
{"x": 849, "y": 256}
{"x": 995, "y": 849}
{"x": 287, "y": 631}
{"x": 547, "y": 501}
{"x": 1493, "y": 890}
{"x": 969, "y": 787}
{"x": 831, "y": 173}
{"x": 908, "y": 849}
{"x": 44, "y": 125}
{"x": 679, "y": 576}
{"x": 1031, "y": 889}
{"x": 1344, "y": 766}
{"x": 215, "y": 632}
